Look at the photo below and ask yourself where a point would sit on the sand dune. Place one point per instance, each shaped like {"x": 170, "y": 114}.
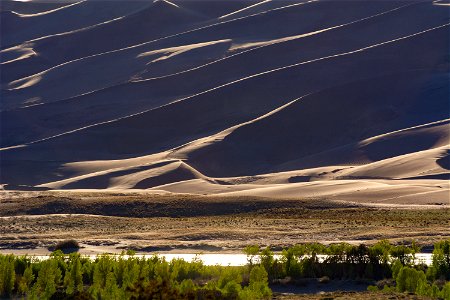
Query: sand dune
{"x": 384, "y": 147}
{"x": 130, "y": 54}
{"x": 20, "y": 27}
{"x": 240, "y": 28}
{"x": 423, "y": 164}
{"x": 141, "y": 91}
{"x": 53, "y": 85}
{"x": 369, "y": 191}
{"x": 33, "y": 7}
{"x": 148, "y": 21}
{"x": 142, "y": 177}
{"x": 243, "y": 151}
{"x": 336, "y": 100}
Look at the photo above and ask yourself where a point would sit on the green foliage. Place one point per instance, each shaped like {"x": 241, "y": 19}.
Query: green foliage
{"x": 445, "y": 293}
{"x": 414, "y": 281}
{"x": 232, "y": 290}
{"x": 131, "y": 277}
{"x": 25, "y": 282}
{"x": 270, "y": 264}
{"x": 252, "y": 251}
{"x": 388, "y": 289}
{"x": 440, "y": 267}
{"x": 396, "y": 267}
{"x": 187, "y": 286}
{"x": 181, "y": 270}
{"x": 408, "y": 279}
{"x": 229, "y": 275}
{"x": 130, "y": 252}
{"x": 111, "y": 289}
{"x": 48, "y": 279}
{"x": 372, "y": 288}
{"x": 381, "y": 250}
{"x": 7, "y": 275}
{"x": 258, "y": 287}
{"x": 73, "y": 278}
{"x": 402, "y": 253}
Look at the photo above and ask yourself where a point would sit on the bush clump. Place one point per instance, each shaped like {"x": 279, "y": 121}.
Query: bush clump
{"x": 66, "y": 246}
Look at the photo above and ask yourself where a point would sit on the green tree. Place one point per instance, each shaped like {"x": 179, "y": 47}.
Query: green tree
{"x": 440, "y": 266}
{"x": 228, "y": 275}
{"x": 48, "y": 279}
{"x": 408, "y": 279}
{"x": 267, "y": 261}
{"x": 7, "y": 274}
{"x": 73, "y": 279}
{"x": 445, "y": 293}
{"x": 402, "y": 253}
{"x": 111, "y": 290}
{"x": 258, "y": 287}
{"x": 24, "y": 284}
{"x": 232, "y": 290}
{"x": 252, "y": 251}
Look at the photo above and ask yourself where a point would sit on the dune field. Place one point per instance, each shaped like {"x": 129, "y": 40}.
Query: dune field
{"x": 339, "y": 102}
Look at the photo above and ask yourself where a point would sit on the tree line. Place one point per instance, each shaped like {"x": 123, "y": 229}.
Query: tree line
{"x": 392, "y": 267}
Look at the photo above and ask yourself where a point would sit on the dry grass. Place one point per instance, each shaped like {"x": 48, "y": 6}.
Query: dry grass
{"x": 351, "y": 296}
{"x": 202, "y": 223}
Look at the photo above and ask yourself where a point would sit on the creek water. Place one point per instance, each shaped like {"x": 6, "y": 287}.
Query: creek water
{"x": 227, "y": 259}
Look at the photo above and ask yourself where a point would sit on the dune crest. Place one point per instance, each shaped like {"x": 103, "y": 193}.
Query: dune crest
{"x": 339, "y": 100}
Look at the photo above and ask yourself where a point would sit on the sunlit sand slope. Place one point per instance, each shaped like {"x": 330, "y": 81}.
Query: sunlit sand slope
{"x": 338, "y": 100}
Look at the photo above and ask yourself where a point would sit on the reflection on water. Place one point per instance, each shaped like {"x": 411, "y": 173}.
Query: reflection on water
{"x": 230, "y": 259}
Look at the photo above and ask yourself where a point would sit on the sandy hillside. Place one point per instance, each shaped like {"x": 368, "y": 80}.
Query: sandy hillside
{"x": 340, "y": 100}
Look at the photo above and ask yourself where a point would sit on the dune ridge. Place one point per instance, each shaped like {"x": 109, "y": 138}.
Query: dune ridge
{"x": 335, "y": 100}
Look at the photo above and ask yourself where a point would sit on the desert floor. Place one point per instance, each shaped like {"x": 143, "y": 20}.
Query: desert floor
{"x": 349, "y": 296}
{"x": 112, "y": 222}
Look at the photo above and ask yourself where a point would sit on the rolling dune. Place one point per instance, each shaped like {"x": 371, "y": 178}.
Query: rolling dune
{"x": 19, "y": 27}
{"x": 33, "y": 7}
{"x": 346, "y": 101}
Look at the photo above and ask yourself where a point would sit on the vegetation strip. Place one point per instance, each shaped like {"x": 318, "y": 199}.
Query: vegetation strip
{"x": 391, "y": 268}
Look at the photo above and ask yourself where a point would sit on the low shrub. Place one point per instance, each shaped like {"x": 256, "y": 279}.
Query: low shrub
{"x": 66, "y": 246}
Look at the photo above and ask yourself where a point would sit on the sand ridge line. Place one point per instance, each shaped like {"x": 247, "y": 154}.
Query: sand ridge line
{"x": 278, "y": 41}
{"x": 152, "y": 41}
{"x": 242, "y": 79}
{"x": 266, "y": 44}
{"x": 244, "y": 9}
{"x": 48, "y": 11}
{"x": 69, "y": 32}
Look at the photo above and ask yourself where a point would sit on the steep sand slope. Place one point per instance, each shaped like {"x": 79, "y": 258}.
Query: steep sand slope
{"x": 341, "y": 122}
{"x": 20, "y": 27}
{"x": 153, "y": 20}
{"x": 396, "y": 144}
{"x": 33, "y": 7}
{"x": 142, "y": 177}
{"x": 337, "y": 100}
{"x": 427, "y": 164}
{"x": 150, "y": 94}
{"x": 165, "y": 134}
{"x": 271, "y": 89}
{"x": 52, "y": 84}
{"x": 265, "y": 25}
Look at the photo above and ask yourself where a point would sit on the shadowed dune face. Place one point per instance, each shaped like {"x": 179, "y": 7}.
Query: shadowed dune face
{"x": 31, "y": 7}
{"x": 365, "y": 109}
{"x": 18, "y": 27}
{"x": 280, "y": 98}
